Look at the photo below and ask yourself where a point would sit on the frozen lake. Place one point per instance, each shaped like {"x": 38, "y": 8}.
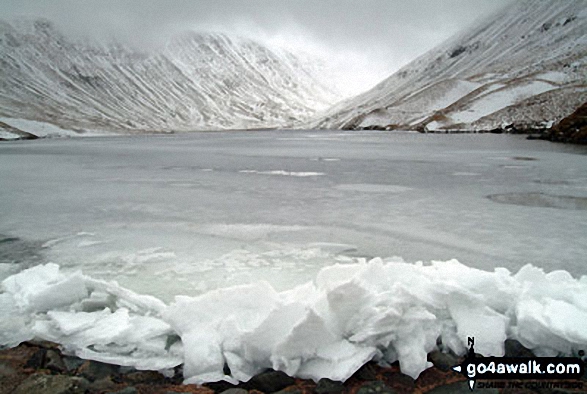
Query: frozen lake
{"x": 182, "y": 214}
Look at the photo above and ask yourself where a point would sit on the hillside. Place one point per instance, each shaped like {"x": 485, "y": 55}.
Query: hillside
{"x": 524, "y": 66}
{"x": 196, "y": 82}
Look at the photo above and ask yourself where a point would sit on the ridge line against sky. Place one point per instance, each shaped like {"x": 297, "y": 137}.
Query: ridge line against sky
{"x": 364, "y": 41}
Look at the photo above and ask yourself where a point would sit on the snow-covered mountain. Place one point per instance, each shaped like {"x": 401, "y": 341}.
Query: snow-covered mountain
{"x": 525, "y": 65}
{"x": 197, "y": 81}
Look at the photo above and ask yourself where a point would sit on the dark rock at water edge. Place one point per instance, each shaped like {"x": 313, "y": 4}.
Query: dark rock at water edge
{"x": 126, "y": 390}
{"x": 72, "y": 363}
{"x": 289, "y": 391}
{"x": 367, "y": 373}
{"x": 513, "y": 348}
{"x": 572, "y": 129}
{"x": 104, "y": 385}
{"x": 269, "y": 382}
{"x": 54, "y": 362}
{"x": 52, "y": 384}
{"x": 327, "y": 386}
{"x": 220, "y": 387}
{"x": 147, "y": 377}
{"x": 37, "y": 360}
{"x": 235, "y": 391}
{"x": 443, "y": 361}
{"x": 94, "y": 370}
{"x": 375, "y": 387}
{"x": 399, "y": 380}
{"x": 266, "y": 382}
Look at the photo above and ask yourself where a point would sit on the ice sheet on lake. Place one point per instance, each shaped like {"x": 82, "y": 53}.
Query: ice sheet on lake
{"x": 386, "y": 310}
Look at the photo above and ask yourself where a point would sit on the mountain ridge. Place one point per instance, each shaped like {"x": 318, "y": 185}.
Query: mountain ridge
{"x": 197, "y": 81}
{"x": 523, "y": 66}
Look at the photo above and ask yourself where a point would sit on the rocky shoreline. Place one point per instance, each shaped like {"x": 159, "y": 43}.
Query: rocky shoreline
{"x": 41, "y": 367}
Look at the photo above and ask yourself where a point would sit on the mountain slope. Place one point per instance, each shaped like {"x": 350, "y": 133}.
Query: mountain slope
{"x": 198, "y": 81}
{"x": 523, "y": 66}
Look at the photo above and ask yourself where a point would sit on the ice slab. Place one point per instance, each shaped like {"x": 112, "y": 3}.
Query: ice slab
{"x": 386, "y": 310}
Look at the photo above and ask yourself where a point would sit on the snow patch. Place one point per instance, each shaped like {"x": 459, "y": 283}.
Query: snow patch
{"x": 352, "y": 313}
{"x": 45, "y": 130}
{"x": 553, "y": 76}
{"x": 8, "y": 135}
{"x": 40, "y": 129}
{"x": 500, "y": 99}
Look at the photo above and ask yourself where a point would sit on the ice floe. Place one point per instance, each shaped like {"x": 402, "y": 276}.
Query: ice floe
{"x": 382, "y": 310}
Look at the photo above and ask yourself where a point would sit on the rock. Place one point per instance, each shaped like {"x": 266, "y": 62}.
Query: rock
{"x": 94, "y": 370}
{"x": 400, "y": 381}
{"x": 443, "y": 361}
{"x": 457, "y": 51}
{"x": 513, "y": 348}
{"x": 294, "y": 391}
{"x": 375, "y": 387}
{"x": 37, "y": 359}
{"x": 6, "y": 370}
{"x": 103, "y": 385}
{"x": 72, "y": 363}
{"x": 123, "y": 370}
{"x": 235, "y": 391}
{"x": 327, "y": 386}
{"x": 219, "y": 387}
{"x": 54, "y": 362}
{"x": 571, "y": 129}
{"x": 269, "y": 382}
{"x": 143, "y": 377}
{"x": 52, "y": 384}
{"x": 458, "y": 388}
{"x": 126, "y": 390}
{"x": 366, "y": 372}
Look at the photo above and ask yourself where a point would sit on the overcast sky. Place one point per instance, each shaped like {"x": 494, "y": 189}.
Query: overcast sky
{"x": 365, "y": 40}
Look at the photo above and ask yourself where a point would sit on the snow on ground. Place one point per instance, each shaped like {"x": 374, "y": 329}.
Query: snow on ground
{"x": 351, "y": 313}
{"x": 500, "y": 99}
{"x": 427, "y": 100}
{"x": 40, "y": 129}
{"x": 554, "y": 76}
{"x": 460, "y": 90}
{"x": 8, "y": 136}
{"x": 44, "y": 129}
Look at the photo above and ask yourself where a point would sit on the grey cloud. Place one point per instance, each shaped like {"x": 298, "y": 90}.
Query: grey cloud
{"x": 369, "y": 37}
